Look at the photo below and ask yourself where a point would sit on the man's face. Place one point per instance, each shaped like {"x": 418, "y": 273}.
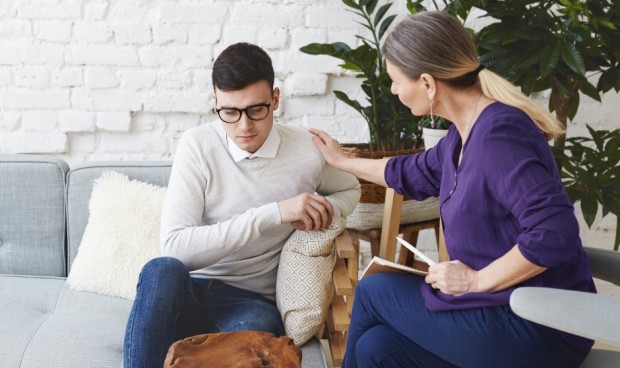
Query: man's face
{"x": 248, "y": 134}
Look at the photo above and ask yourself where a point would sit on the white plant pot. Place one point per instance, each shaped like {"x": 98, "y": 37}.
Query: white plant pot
{"x": 432, "y": 136}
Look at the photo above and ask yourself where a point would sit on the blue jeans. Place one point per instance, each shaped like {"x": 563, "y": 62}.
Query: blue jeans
{"x": 391, "y": 327}
{"x": 171, "y": 305}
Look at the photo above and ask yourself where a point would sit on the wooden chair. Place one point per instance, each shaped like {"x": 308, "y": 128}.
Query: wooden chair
{"x": 335, "y": 331}
{"x": 410, "y": 233}
{"x": 392, "y": 212}
{"x": 392, "y": 227}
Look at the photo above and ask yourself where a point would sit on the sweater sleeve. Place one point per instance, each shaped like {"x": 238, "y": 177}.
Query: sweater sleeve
{"x": 182, "y": 234}
{"x": 341, "y": 189}
{"x": 526, "y": 182}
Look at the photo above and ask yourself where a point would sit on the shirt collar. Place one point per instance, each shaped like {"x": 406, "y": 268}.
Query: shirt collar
{"x": 269, "y": 148}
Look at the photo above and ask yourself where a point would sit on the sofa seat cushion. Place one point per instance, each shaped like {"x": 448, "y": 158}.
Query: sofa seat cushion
{"x": 49, "y": 325}
{"x": 53, "y": 326}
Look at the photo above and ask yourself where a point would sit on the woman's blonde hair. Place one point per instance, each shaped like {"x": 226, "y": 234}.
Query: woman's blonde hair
{"x": 436, "y": 43}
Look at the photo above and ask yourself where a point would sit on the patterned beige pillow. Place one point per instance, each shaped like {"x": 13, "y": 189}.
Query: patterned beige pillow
{"x": 304, "y": 287}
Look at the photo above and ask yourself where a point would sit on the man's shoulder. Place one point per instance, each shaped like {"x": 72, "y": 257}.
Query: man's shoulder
{"x": 292, "y": 132}
{"x": 210, "y": 133}
{"x": 202, "y": 140}
{"x": 297, "y": 143}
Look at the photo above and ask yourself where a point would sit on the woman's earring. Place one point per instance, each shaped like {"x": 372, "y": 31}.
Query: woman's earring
{"x": 432, "y": 120}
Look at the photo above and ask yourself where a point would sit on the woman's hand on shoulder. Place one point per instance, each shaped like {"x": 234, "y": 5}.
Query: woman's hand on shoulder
{"x": 329, "y": 147}
{"x": 452, "y": 278}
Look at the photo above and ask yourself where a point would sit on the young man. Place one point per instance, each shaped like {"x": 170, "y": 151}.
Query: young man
{"x": 239, "y": 187}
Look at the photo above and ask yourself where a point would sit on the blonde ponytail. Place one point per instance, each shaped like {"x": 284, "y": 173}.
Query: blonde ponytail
{"x": 498, "y": 88}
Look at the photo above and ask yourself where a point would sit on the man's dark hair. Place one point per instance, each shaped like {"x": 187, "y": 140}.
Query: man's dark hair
{"x": 240, "y": 65}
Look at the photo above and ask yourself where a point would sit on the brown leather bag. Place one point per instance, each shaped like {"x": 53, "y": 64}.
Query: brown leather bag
{"x": 247, "y": 349}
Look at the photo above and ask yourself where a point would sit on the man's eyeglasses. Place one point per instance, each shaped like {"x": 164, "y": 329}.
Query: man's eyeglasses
{"x": 232, "y": 115}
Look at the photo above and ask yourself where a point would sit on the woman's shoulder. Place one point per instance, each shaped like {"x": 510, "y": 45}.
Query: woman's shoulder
{"x": 505, "y": 120}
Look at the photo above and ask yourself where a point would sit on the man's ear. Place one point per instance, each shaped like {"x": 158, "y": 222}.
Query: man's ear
{"x": 430, "y": 84}
{"x": 214, "y": 97}
{"x": 276, "y": 99}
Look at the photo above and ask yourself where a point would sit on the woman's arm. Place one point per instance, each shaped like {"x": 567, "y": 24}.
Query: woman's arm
{"x": 456, "y": 278}
{"x": 363, "y": 168}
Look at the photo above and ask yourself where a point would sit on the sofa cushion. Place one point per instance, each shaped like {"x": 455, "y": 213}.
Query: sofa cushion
{"x": 50, "y": 325}
{"x": 122, "y": 235}
{"x": 54, "y": 326}
{"x": 32, "y": 219}
{"x": 80, "y": 184}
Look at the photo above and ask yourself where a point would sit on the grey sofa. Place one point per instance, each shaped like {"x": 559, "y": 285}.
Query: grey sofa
{"x": 43, "y": 214}
{"x": 594, "y": 316}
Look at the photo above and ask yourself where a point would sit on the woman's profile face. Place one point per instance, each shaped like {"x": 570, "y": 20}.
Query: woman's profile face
{"x": 412, "y": 93}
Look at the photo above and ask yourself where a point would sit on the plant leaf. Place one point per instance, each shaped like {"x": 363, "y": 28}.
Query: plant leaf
{"x": 589, "y": 207}
{"x": 589, "y": 90}
{"x": 617, "y": 241}
{"x": 549, "y": 58}
{"x": 385, "y": 25}
{"x": 572, "y": 57}
{"x": 370, "y": 7}
{"x": 354, "y": 104}
{"x": 381, "y": 12}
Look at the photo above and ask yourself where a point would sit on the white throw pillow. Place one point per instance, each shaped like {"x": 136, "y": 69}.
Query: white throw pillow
{"x": 122, "y": 234}
{"x": 304, "y": 287}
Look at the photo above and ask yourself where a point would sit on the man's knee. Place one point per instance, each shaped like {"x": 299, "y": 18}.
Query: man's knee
{"x": 164, "y": 266}
{"x": 260, "y": 317}
{"x": 164, "y": 273}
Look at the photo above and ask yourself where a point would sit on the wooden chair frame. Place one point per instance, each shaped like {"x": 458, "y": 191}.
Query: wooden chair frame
{"x": 335, "y": 332}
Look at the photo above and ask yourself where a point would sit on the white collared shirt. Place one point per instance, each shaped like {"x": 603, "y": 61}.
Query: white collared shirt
{"x": 269, "y": 148}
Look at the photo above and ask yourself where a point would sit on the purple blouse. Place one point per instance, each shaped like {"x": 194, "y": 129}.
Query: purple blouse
{"x": 505, "y": 191}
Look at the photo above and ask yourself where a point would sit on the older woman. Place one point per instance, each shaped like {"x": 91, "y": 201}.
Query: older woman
{"x": 507, "y": 220}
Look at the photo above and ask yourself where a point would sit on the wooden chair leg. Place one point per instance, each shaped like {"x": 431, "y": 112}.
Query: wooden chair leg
{"x": 375, "y": 244}
{"x": 405, "y": 256}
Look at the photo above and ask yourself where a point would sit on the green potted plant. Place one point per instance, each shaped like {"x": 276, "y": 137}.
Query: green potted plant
{"x": 554, "y": 46}
{"x": 433, "y": 130}
{"x": 559, "y": 46}
{"x": 393, "y": 128}
{"x": 391, "y": 125}
{"x": 591, "y": 174}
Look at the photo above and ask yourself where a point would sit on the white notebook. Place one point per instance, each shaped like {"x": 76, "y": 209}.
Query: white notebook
{"x": 378, "y": 265}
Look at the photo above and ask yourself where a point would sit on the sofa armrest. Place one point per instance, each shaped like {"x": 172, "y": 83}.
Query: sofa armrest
{"x": 605, "y": 264}
{"x": 594, "y": 316}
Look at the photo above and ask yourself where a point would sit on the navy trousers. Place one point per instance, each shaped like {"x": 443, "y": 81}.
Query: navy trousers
{"x": 391, "y": 327}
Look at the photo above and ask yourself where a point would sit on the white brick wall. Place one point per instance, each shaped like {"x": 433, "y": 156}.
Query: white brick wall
{"x": 122, "y": 79}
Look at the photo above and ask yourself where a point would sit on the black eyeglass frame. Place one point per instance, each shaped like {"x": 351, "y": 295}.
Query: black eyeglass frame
{"x": 241, "y": 111}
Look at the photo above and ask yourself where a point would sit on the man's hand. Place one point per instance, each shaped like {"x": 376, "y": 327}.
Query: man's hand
{"x": 452, "y": 278}
{"x": 306, "y": 212}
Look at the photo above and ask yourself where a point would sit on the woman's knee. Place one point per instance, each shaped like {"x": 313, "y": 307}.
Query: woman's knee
{"x": 369, "y": 287}
{"x": 371, "y": 346}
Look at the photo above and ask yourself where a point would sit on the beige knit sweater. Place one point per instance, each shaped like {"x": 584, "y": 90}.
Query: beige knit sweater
{"x": 221, "y": 218}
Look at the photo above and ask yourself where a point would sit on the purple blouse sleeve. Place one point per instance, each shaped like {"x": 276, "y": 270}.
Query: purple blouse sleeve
{"x": 418, "y": 175}
{"x": 527, "y": 184}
